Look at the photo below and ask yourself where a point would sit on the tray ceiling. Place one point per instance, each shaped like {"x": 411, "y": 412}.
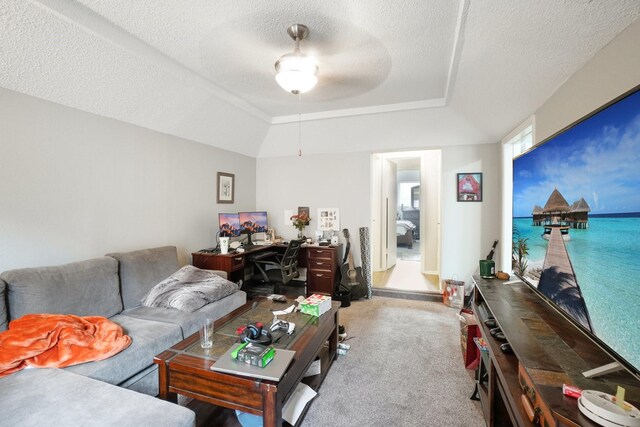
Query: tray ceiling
{"x": 199, "y": 69}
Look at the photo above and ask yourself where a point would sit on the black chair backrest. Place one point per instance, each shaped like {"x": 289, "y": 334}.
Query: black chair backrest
{"x": 289, "y": 261}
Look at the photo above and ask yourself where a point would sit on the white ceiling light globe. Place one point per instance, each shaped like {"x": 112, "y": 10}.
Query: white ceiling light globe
{"x": 296, "y": 73}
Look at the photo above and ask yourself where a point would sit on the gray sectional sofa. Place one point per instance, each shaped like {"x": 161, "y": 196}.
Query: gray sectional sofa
{"x": 116, "y": 391}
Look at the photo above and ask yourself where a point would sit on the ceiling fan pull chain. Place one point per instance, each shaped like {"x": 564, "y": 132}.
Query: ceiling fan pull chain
{"x": 299, "y": 124}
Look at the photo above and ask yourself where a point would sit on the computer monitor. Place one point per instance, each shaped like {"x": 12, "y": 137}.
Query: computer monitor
{"x": 229, "y": 224}
{"x": 253, "y": 222}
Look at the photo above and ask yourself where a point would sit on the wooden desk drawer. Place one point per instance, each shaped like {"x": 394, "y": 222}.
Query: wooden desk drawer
{"x": 228, "y": 263}
{"x": 237, "y": 262}
{"x": 320, "y": 282}
{"x": 320, "y": 253}
{"x": 320, "y": 264}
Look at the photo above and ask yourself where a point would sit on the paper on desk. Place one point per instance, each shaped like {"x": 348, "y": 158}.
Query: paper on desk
{"x": 295, "y": 405}
{"x": 285, "y": 311}
{"x": 288, "y": 213}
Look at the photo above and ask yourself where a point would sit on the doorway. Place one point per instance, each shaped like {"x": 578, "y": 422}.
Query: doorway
{"x": 406, "y": 221}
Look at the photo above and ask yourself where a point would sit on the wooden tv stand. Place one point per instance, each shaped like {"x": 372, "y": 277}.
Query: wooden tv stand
{"x": 548, "y": 350}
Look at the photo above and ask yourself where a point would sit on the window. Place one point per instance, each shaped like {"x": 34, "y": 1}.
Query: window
{"x": 522, "y": 141}
{"x": 514, "y": 144}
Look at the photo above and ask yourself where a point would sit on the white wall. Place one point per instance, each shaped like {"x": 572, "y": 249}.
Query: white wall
{"x": 469, "y": 228}
{"x": 74, "y": 185}
{"x": 611, "y": 72}
{"x": 317, "y": 181}
{"x": 416, "y": 129}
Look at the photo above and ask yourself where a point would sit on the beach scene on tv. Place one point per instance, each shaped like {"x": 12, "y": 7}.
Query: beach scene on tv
{"x": 576, "y": 223}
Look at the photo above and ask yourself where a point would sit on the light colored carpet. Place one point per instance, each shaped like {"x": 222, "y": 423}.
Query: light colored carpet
{"x": 404, "y": 368}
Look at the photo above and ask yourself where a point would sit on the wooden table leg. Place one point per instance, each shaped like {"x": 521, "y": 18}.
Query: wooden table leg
{"x": 163, "y": 384}
{"x": 272, "y": 408}
{"x": 333, "y": 338}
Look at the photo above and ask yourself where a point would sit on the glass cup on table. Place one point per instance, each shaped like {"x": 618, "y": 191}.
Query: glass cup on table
{"x": 206, "y": 333}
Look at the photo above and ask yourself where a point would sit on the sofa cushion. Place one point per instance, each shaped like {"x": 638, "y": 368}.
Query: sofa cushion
{"x": 84, "y": 288}
{"x": 142, "y": 270}
{"x": 3, "y": 307}
{"x": 190, "y": 322}
{"x": 55, "y": 397}
{"x": 148, "y": 339}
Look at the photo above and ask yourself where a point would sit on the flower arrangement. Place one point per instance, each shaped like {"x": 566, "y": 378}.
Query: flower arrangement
{"x": 300, "y": 221}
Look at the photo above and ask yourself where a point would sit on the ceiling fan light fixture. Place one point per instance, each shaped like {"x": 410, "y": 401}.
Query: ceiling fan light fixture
{"x": 296, "y": 72}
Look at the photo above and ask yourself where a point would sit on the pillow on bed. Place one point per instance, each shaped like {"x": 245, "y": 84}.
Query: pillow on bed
{"x": 189, "y": 289}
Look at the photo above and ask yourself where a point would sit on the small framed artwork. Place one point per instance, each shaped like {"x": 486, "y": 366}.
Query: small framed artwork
{"x": 226, "y": 187}
{"x": 304, "y": 209}
{"x": 329, "y": 219}
{"x": 470, "y": 187}
{"x": 270, "y": 235}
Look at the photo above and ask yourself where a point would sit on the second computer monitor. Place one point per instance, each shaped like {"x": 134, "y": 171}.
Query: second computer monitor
{"x": 253, "y": 222}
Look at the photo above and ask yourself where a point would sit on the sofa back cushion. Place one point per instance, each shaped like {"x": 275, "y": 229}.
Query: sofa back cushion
{"x": 84, "y": 288}
{"x": 142, "y": 270}
{"x": 3, "y": 307}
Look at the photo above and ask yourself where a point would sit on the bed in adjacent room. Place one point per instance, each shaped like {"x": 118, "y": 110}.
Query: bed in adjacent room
{"x": 404, "y": 232}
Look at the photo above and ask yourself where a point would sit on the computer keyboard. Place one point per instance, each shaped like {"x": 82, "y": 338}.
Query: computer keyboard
{"x": 262, "y": 243}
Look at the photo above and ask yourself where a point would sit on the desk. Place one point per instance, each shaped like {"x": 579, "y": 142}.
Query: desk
{"x": 322, "y": 263}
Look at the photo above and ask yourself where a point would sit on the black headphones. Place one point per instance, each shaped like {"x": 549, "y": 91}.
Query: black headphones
{"x": 254, "y": 333}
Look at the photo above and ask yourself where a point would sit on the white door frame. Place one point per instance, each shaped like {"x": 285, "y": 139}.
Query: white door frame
{"x": 430, "y": 205}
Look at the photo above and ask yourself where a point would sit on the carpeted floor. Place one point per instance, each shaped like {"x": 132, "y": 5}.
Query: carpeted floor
{"x": 404, "y": 368}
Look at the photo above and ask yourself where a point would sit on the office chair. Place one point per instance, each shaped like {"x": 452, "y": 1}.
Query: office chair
{"x": 283, "y": 267}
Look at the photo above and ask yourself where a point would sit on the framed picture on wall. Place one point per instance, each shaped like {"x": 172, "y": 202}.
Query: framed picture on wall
{"x": 226, "y": 187}
{"x": 470, "y": 187}
{"x": 304, "y": 209}
{"x": 329, "y": 219}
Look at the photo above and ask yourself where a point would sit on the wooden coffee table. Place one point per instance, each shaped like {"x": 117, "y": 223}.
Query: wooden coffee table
{"x": 186, "y": 367}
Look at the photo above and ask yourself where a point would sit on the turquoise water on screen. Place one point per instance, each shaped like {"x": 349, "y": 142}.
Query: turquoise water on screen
{"x": 606, "y": 261}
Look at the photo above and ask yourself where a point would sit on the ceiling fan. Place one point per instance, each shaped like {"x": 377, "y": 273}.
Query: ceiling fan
{"x": 296, "y": 72}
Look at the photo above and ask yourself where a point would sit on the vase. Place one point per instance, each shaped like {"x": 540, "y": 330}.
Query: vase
{"x": 301, "y": 235}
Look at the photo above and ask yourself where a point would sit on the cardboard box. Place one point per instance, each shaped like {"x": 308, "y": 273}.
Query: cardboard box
{"x": 316, "y": 305}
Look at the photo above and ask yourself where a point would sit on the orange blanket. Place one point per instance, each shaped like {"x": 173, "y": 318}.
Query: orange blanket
{"x": 57, "y": 340}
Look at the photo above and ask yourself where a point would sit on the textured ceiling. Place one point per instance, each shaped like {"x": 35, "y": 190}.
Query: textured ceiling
{"x": 203, "y": 69}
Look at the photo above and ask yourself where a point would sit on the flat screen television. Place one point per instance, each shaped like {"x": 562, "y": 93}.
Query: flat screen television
{"x": 576, "y": 225}
{"x": 253, "y": 222}
{"x": 229, "y": 224}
